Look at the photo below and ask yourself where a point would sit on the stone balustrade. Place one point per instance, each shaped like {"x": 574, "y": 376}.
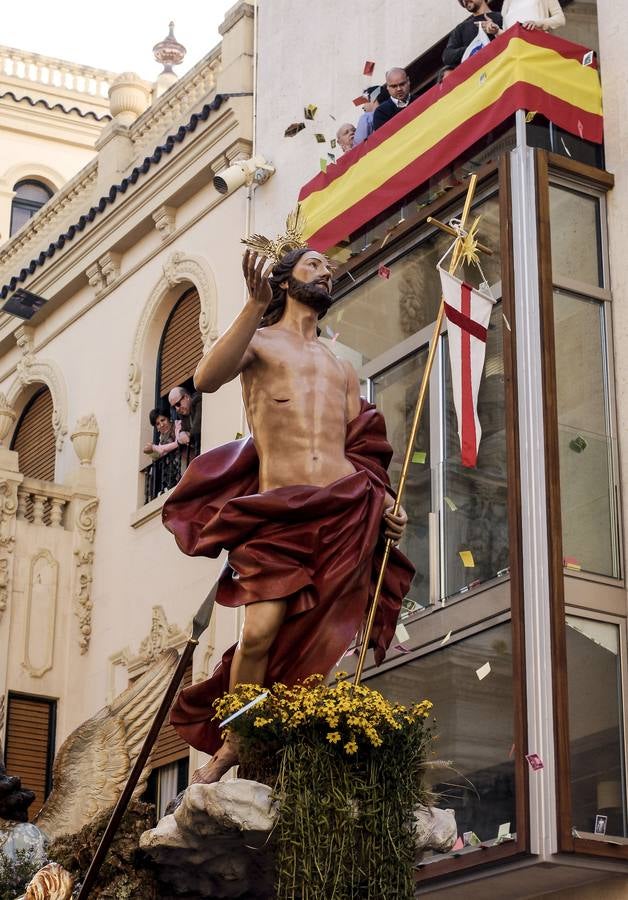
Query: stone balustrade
{"x": 43, "y": 503}
{"x": 59, "y": 73}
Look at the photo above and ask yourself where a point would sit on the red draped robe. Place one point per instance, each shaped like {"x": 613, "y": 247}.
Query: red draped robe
{"x": 319, "y": 548}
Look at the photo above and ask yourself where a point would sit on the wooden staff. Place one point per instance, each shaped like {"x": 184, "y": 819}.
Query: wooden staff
{"x": 199, "y": 624}
{"x": 460, "y": 234}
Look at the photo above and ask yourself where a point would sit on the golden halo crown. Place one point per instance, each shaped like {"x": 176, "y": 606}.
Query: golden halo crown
{"x": 292, "y": 239}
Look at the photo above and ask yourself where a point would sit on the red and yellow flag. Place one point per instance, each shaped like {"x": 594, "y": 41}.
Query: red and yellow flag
{"x": 520, "y": 69}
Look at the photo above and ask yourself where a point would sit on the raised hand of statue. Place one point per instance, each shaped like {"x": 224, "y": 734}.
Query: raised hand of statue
{"x": 256, "y": 277}
{"x": 394, "y": 526}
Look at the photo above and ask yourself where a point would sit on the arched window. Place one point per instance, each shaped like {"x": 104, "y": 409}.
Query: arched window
{"x": 34, "y": 438}
{"x": 30, "y": 195}
{"x": 181, "y": 347}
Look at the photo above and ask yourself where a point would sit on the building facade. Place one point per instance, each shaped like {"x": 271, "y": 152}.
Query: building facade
{"x": 520, "y": 561}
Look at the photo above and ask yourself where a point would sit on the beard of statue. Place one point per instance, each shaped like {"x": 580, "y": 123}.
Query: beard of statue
{"x": 312, "y": 294}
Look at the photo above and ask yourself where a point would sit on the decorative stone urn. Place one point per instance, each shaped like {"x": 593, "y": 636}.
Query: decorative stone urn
{"x": 84, "y": 439}
{"x": 129, "y": 96}
{"x": 7, "y": 418}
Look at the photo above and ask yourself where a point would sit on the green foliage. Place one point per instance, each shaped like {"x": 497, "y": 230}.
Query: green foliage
{"x": 125, "y": 873}
{"x": 15, "y": 874}
{"x": 348, "y": 775}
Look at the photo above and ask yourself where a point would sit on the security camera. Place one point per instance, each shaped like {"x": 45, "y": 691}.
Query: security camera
{"x": 243, "y": 172}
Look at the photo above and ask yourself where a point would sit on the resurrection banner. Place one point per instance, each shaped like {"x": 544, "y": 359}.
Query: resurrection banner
{"x": 520, "y": 69}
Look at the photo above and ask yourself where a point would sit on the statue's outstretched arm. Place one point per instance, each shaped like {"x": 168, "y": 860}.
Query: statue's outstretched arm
{"x": 234, "y": 350}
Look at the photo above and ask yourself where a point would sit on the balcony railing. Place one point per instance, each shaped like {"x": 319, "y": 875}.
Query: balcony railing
{"x": 164, "y": 473}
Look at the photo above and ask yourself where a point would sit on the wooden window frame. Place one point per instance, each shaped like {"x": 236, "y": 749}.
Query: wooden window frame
{"x": 52, "y": 730}
{"x": 567, "y": 841}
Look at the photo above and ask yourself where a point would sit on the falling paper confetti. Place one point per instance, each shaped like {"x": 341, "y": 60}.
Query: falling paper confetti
{"x": 530, "y": 116}
{"x": 323, "y": 165}
{"x": 368, "y": 67}
{"x": 340, "y": 315}
{"x": 467, "y": 558}
{"x": 446, "y": 638}
{"x": 360, "y": 101}
{"x": 450, "y": 503}
{"x": 401, "y": 633}
{"x": 238, "y": 435}
{"x": 310, "y": 111}
{"x": 332, "y": 143}
{"x": 293, "y": 129}
{"x": 419, "y": 456}
{"x": 331, "y": 158}
{"x": 470, "y": 839}
{"x": 503, "y": 832}
{"x": 320, "y": 138}
{"x": 384, "y": 272}
{"x": 458, "y": 845}
{"x": 483, "y": 671}
{"x": 535, "y": 762}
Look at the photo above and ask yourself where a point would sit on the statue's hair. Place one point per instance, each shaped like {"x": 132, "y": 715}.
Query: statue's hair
{"x": 282, "y": 270}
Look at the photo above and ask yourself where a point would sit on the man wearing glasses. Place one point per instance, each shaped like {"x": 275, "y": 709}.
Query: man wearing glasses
{"x": 481, "y": 17}
{"x": 188, "y": 426}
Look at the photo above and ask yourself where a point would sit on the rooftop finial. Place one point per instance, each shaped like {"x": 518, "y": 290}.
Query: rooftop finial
{"x": 169, "y": 52}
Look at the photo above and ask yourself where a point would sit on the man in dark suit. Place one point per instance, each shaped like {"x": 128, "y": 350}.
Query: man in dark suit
{"x": 398, "y": 86}
{"x": 463, "y": 34}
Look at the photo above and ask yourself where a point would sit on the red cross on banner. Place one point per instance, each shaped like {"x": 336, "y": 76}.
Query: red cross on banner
{"x": 468, "y": 312}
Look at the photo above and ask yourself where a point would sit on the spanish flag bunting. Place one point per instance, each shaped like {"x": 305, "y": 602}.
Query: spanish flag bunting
{"x": 520, "y": 69}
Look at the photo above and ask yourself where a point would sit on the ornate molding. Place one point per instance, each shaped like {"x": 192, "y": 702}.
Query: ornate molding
{"x": 8, "y": 516}
{"x": 178, "y": 269}
{"x": 165, "y": 219}
{"x": 29, "y": 370}
{"x": 84, "y": 439}
{"x": 110, "y": 267}
{"x": 95, "y": 278}
{"x": 84, "y": 532}
{"x": 161, "y": 636}
{"x": 41, "y": 614}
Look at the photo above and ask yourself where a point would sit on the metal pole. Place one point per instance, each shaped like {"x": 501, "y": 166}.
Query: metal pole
{"x": 418, "y": 412}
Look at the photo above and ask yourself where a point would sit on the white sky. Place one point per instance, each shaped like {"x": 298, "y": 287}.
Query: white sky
{"x": 113, "y": 34}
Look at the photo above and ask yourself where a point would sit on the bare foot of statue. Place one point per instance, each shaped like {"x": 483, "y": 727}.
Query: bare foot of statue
{"x": 218, "y": 765}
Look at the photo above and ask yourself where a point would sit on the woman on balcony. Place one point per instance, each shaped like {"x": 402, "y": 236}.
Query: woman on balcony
{"x": 546, "y": 15}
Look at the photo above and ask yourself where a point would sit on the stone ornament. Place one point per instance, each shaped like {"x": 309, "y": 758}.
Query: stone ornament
{"x": 7, "y": 417}
{"x": 84, "y": 532}
{"x": 165, "y": 219}
{"x": 94, "y": 762}
{"x": 179, "y": 268}
{"x": 162, "y": 635}
{"x": 30, "y": 370}
{"x": 129, "y": 97}
{"x": 41, "y": 614}
{"x": 8, "y": 515}
{"x": 84, "y": 439}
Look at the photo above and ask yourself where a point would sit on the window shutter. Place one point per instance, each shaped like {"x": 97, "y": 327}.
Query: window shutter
{"x": 181, "y": 344}
{"x": 30, "y": 744}
{"x": 34, "y": 438}
{"x": 169, "y": 747}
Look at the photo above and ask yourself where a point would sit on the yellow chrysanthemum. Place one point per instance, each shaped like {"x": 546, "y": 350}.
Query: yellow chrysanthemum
{"x": 333, "y": 737}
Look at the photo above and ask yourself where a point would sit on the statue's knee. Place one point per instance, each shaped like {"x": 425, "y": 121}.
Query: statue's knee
{"x": 254, "y": 642}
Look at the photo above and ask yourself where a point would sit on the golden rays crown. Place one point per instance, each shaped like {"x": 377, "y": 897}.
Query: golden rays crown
{"x": 291, "y": 239}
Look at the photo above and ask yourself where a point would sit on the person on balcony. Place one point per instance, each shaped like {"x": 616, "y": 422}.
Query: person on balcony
{"x": 167, "y": 441}
{"x": 482, "y": 18}
{"x": 345, "y": 135}
{"x": 376, "y": 96}
{"x": 546, "y": 15}
{"x": 188, "y": 408}
{"x": 398, "y": 87}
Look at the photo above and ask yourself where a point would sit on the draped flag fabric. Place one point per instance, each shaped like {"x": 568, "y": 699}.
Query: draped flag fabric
{"x": 468, "y": 312}
{"x": 520, "y": 69}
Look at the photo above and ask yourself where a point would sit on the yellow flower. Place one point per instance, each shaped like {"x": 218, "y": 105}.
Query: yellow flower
{"x": 333, "y": 737}
{"x": 260, "y": 722}
{"x": 351, "y": 747}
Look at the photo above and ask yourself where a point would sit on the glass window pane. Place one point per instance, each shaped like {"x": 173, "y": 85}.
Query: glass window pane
{"x": 33, "y": 191}
{"x": 19, "y": 216}
{"x": 585, "y": 443}
{"x": 598, "y": 786}
{"x": 395, "y": 392}
{"x": 474, "y": 511}
{"x": 474, "y": 720}
{"x": 576, "y": 250}
{"x": 383, "y": 312}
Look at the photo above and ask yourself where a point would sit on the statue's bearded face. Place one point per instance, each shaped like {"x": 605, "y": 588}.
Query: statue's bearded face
{"x": 311, "y": 282}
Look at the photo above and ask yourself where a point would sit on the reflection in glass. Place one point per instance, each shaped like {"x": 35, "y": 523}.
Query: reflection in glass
{"x": 598, "y": 786}
{"x": 395, "y": 392}
{"x": 381, "y": 313}
{"x": 474, "y": 722}
{"x": 474, "y": 512}
{"x": 576, "y": 252}
{"x": 585, "y": 441}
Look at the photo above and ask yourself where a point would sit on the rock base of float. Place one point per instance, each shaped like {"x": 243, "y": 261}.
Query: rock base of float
{"x": 216, "y": 843}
